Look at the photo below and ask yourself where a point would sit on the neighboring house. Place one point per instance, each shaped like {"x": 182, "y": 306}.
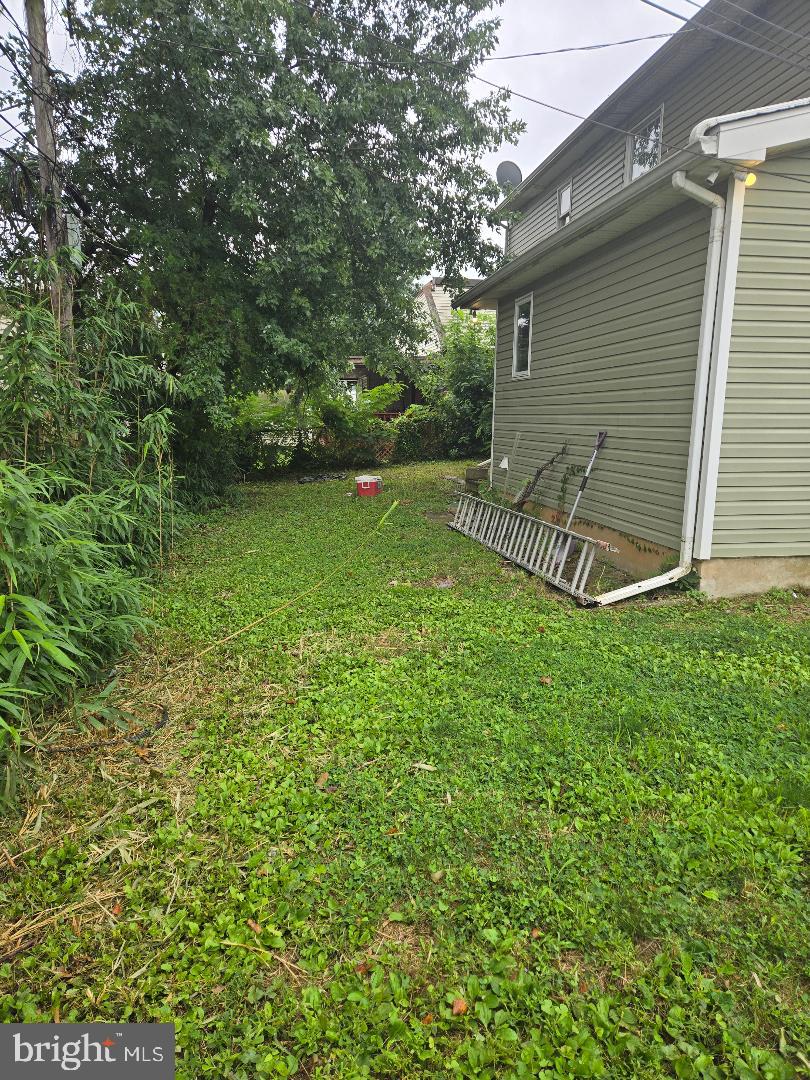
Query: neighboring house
{"x": 651, "y": 291}
{"x": 436, "y": 302}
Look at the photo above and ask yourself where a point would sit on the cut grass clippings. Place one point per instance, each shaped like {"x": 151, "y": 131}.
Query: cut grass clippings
{"x": 429, "y": 820}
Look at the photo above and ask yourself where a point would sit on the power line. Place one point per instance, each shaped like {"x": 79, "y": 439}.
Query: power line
{"x": 421, "y": 58}
{"x": 727, "y": 37}
{"x": 749, "y": 30}
{"x": 760, "y": 18}
{"x": 622, "y": 131}
{"x": 554, "y": 108}
{"x": 24, "y": 34}
{"x": 578, "y": 48}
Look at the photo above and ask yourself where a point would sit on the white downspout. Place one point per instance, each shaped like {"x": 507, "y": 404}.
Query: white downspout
{"x": 702, "y": 374}
{"x": 713, "y": 433}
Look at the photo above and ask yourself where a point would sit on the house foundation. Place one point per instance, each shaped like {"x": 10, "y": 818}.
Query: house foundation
{"x": 746, "y": 576}
{"x": 635, "y": 556}
{"x": 753, "y": 574}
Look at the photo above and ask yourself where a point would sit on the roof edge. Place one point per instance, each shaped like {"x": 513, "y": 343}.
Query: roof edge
{"x": 661, "y": 54}
{"x": 742, "y": 138}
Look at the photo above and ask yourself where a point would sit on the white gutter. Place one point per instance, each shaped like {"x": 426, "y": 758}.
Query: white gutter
{"x": 702, "y": 376}
{"x": 700, "y": 129}
{"x": 747, "y": 137}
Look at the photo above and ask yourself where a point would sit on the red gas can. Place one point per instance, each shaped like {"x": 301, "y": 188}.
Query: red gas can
{"x": 368, "y": 485}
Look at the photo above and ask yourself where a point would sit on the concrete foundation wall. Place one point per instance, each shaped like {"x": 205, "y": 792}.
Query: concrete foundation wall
{"x": 640, "y": 558}
{"x": 753, "y": 574}
{"x": 636, "y": 556}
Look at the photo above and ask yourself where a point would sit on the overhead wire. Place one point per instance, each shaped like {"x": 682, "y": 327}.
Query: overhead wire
{"x": 580, "y": 48}
{"x": 443, "y": 62}
{"x": 620, "y": 130}
{"x": 727, "y": 37}
{"x": 760, "y": 18}
{"x": 44, "y": 58}
{"x": 803, "y": 57}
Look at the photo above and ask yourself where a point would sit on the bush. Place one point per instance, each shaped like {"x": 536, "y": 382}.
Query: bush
{"x": 418, "y": 435}
{"x": 460, "y": 389}
{"x": 322, "y": 430}
{"x": 86, "y": 502}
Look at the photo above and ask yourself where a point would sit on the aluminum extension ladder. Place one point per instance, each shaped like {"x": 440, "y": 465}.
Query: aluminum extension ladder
{"x": 561, "y": 557}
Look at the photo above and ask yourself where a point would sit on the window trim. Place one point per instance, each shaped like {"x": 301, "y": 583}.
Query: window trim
{"x": 632, "y": 135}
{"x": 528, "y": 298}
{"x": 568, "y": 184}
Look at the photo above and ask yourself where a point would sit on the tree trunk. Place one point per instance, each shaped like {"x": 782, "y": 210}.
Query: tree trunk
{"x": 54, "y": 225}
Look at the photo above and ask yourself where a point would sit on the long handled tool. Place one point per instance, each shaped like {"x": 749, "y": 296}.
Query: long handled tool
{"x": 600, "y": 442}
{"x": 563, "y": 549}
{"x": 527, "y": 490}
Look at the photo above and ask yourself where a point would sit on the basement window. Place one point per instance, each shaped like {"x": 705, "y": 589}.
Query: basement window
{"x": 564, "y": 203}
{"x": 521, "y": 349}
{"x": 644, "y": 146}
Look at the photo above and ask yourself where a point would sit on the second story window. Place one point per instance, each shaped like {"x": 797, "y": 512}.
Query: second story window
{"x": 644, "y": 146}
{"x": 564, "y": 203}
{"x": 521, "y": 352}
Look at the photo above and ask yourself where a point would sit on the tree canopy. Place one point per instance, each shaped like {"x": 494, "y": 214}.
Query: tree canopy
{"x": 281, "y": 172}
{"x": 269, "y": 178}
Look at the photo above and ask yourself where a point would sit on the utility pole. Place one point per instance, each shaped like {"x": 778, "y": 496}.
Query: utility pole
{"x": 54, "y": 225}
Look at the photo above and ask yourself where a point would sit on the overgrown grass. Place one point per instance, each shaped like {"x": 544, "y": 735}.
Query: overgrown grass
{"x": 432, "y": 820}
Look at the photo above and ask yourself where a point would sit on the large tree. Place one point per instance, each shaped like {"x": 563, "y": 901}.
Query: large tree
{"x": 282, "y": 171}
{"x": 272, "y": 176}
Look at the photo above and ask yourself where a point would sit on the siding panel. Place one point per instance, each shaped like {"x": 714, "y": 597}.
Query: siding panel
{"x": 540, "y": 221}
{"x": 726, "y": 78}
{"x": 614, "y": 342}
{"x": 763, "y": 492}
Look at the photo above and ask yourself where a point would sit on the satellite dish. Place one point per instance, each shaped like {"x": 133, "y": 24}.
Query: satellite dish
{"x": 508, "y": 175}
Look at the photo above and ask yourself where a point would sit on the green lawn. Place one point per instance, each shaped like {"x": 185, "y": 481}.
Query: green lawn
{"x": 406, "y": 830}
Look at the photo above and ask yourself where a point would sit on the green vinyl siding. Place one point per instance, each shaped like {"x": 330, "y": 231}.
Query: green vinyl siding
{"x": 763, "y": 486}
{"x": 538, "y": 223}
{"x": 724, "y": 77}
{"x": 614, "y": 346}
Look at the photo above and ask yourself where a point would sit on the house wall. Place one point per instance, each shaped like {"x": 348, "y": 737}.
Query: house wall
{"x": 763, "y": 490}
{"x": 726, "y": 78}
{"x": 613, "y": 347}
{"x": 539, "y": 221}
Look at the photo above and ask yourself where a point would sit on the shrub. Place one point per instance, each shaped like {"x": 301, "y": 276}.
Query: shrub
{"x": 86, "y": 501}
{"x": 322, "y": 430}
{"x": 418, "y": 435}
{"x": 460, "y": 388}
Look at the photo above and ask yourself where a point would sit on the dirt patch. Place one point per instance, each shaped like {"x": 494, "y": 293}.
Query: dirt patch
{"x": 410, "y": 947}
{"x": 440, "y": 517}
{"x": 390, "y": 642}
{"x": 586, "y": 974}
{"x": 647, "y": 949}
